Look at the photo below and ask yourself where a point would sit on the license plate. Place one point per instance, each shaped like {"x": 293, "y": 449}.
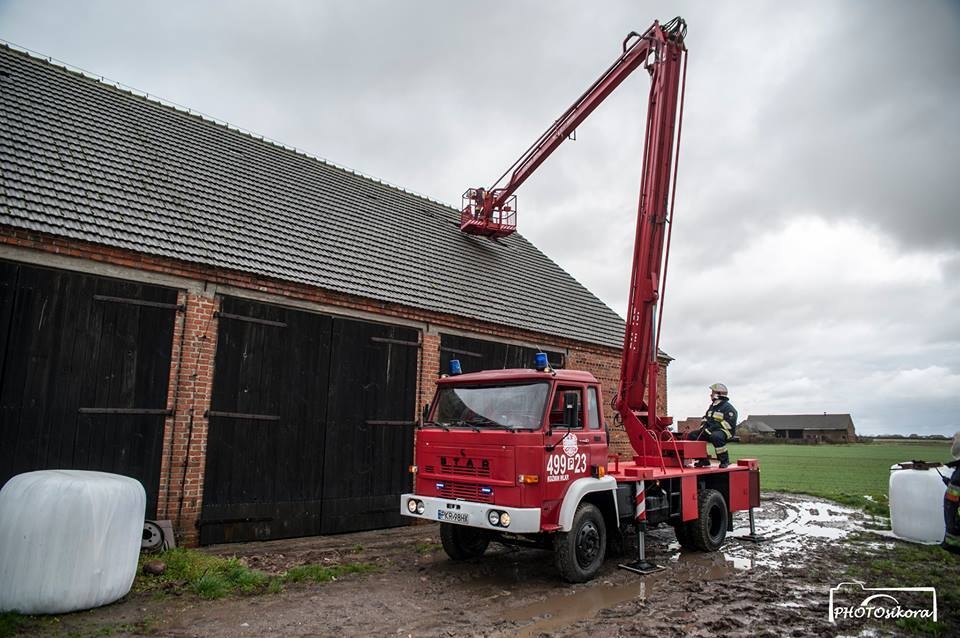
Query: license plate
{"x": 453, "y": 517}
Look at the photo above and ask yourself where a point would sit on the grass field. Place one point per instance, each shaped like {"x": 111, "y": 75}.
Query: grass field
{"x": 855, "y": 473}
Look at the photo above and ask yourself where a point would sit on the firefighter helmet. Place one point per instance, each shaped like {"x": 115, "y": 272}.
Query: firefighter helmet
{"x": 719, "y": 388}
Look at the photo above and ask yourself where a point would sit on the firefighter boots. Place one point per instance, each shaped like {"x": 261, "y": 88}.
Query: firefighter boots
{"x": 724, "y": 458}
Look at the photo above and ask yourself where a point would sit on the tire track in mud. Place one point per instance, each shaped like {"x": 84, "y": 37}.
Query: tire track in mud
{"x": 790, "y": 523}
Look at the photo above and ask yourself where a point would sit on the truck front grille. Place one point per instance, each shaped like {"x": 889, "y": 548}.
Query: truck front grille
{"x": 465, "y": 491}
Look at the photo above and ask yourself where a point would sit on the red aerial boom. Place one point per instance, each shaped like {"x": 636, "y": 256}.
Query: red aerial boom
{"x": 522, "y": 456}
{"x": 491, "y": 212}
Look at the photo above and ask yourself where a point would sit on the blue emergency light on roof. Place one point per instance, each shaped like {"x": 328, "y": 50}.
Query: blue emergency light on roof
{"x": 540, "y": 361}
{"x": 455, "y": 367}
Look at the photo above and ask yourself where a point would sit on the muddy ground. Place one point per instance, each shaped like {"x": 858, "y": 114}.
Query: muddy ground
{"x": 776, "y": 588}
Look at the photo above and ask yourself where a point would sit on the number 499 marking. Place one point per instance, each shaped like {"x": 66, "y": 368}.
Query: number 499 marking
{"x": 563, "y": 464}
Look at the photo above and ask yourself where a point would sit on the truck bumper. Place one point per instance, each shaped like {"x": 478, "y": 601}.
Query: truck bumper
{"x": 522, "y": 520}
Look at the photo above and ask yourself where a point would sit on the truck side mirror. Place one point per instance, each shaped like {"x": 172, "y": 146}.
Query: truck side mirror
{"x": 425, "y": 412}
{"x": 571, "y": 408}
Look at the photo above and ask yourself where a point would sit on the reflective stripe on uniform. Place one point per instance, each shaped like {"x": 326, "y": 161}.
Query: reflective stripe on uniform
{"x": 721, "y": 449}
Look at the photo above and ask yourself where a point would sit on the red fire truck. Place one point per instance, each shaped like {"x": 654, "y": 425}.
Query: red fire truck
{"x": 521, "y": 456}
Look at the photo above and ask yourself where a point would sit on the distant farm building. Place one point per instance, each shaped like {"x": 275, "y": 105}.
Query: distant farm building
{"x": 836, "y": 428}
{"x": 755, "y": 430}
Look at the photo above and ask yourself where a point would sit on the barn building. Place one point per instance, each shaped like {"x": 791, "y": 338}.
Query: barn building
{"x": 812, "y": 428}
{"x": 249, "y": 331}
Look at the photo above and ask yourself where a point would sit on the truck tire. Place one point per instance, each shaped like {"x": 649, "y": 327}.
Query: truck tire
{"x": 708, "y": 531}
{"x": 580, "y": 552}
{"x": 463, "y": 543}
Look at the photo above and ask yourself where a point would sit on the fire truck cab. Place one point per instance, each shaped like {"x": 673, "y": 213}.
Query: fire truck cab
{"x": 521, "y": 457}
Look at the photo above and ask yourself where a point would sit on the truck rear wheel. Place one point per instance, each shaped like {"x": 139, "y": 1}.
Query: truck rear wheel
{"x": 580, "y": 552}
{"x": 463, "y": 543}
{"x": 708, "y": 531}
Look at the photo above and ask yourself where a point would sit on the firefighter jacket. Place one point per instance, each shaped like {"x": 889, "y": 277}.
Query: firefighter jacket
{"x": 721, "y": 415}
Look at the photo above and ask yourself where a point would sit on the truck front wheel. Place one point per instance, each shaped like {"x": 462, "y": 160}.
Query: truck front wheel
{"x": 463, "y": 543}
{"x": 708, "y": 531}
{"x": 580, "y": 552}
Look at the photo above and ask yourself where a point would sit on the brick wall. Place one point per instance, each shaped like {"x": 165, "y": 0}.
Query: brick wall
{"x": 185, "y": 432}
{"x": 194, "y": 351}
{"x": 605, "y": 365}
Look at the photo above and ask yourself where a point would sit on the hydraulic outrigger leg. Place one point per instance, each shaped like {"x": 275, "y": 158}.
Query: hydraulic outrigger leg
{"x": 752, "y": 536}
{"x": 641, "y": 565}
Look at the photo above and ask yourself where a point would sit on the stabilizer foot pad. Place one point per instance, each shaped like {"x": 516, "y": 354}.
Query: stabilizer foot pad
{"x": 642, "y": 567}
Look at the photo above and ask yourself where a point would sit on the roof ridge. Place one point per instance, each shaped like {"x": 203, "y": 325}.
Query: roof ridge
{"x": 156, "y": 99}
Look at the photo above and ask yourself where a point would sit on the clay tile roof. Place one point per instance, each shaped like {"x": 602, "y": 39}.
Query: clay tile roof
{"x": 86, "y": 160}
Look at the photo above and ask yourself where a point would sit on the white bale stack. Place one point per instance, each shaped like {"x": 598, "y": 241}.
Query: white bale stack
{"x": 69, "y": 540}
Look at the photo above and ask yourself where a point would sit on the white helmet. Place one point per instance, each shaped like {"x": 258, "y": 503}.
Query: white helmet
{"x": 719, "y": 389}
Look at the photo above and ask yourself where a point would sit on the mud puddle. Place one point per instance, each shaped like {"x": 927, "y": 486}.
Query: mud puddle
{"x": 618, "y": 587}
{"x": 786, "y": 523}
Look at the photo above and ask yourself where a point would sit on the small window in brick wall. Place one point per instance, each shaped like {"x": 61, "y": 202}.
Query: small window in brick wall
{"x": 478, "y": 354}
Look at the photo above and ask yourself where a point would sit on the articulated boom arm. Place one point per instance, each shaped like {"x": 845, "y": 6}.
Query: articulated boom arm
{"x": 492, "y": 211}
{"x": 636, "y": 400}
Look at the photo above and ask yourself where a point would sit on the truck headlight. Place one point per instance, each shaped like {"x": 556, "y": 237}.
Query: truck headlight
{"x": 412, "y": 506}
{"x": 504, "y": 520}
{"x": 493, "y": 517}
{"x": 420, "y": 507}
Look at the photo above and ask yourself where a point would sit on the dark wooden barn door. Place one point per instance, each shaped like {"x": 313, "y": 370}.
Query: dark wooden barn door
{"x": 301, "y": 404}
{"x": 84, "y": 370}
{"x": 372, "y": 400}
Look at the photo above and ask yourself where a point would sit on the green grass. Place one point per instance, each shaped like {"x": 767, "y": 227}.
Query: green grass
{"x": 11, "y": 623}
{"x": 323, "y": 574}
{"x": 428, "y": 548}
{"x": 856, "y": 474}
{"x": 205, "y": 575}
{"x": 212, "y": 577}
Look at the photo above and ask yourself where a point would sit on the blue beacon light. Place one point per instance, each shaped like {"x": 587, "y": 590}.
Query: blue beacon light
{"x": 455, "y": 367}
{"x": 540, "y": 361}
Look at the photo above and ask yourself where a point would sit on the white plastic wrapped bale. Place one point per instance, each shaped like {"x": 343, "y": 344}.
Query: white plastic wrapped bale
{"x": 916, "y": 502}
{"x": 69, "y": 540}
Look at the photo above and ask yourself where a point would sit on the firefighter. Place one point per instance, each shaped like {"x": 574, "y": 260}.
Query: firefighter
{"x": 951, "y": 501}
{"x": 717, "y": 425}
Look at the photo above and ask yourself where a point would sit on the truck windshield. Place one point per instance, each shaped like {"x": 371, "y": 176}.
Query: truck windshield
{"x": 503, "y": 406}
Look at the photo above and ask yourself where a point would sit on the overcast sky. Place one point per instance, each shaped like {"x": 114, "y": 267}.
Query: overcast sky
{"x": 816, "y": 246}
